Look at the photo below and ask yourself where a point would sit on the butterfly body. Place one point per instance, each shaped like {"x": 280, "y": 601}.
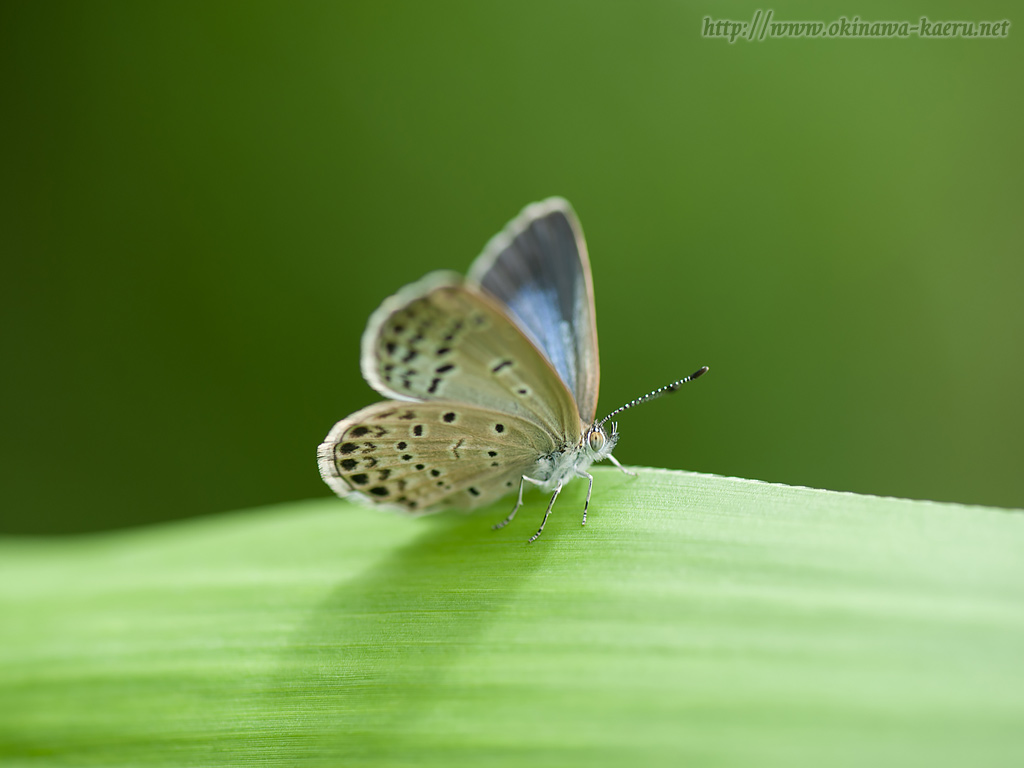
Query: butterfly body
{"x": 573, "y": 461}
{"x": 492, "y": 379}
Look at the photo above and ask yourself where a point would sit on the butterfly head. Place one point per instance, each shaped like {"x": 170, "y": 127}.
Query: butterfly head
{"x": 598, "y": 442}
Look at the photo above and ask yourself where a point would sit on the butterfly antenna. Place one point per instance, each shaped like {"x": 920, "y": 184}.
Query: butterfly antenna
{"x": 667, "y": 389}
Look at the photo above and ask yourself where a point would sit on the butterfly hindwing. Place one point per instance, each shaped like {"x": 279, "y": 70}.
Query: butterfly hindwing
{"x": 539, "y": 269}
{"x": 442, "y": 339}
{"x": 421, "y": 457}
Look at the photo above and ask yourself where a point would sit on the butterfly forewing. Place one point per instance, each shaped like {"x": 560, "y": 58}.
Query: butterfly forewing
{"x": 425, "y": 456}
{"x": 443, "y": 340}
{"x": 539, "y": 269}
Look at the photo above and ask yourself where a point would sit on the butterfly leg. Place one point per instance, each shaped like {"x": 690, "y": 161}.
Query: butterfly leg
{"x": 544, "y": 522}
{"x": 586, "y": 504}
{"x": 519, "y": 503}
{"x": 615, "y": 461}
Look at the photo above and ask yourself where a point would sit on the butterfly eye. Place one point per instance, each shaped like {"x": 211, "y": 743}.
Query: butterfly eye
{"x": 596, "y": 440}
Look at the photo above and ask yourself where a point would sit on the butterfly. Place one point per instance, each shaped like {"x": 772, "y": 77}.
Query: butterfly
{"x": 492, "y": 379}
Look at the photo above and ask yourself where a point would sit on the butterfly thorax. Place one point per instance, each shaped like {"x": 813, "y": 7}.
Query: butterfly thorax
{"x": 559, "y": 467}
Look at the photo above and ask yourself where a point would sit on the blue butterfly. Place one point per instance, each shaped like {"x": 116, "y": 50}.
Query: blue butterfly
{"x": 493, "y": 379}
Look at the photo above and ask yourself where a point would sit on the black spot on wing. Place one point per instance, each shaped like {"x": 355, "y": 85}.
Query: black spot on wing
{"x": 454, "y": 331}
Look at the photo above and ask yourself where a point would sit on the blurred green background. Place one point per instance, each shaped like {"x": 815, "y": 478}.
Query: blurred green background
{"x": 203, "y": 203}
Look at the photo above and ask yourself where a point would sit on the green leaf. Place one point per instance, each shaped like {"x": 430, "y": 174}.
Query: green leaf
{"x": 695, "y": 620}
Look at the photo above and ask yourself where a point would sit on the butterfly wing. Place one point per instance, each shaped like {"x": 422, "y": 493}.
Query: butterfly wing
{"x": 442, "y": 339}
{"x": 422, "y": 457}
{"x": 539, "y": 269}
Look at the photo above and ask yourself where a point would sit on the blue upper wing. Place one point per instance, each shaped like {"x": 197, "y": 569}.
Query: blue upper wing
{"x": 537, "y": 266}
